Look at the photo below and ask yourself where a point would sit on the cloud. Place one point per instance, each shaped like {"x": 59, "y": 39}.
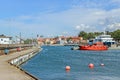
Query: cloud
{"x": 116, "y": 1}
{"x": 83, "y": 27}
{"x": 80, "y": 17}
{"x": 97, "y": 4}
{"x": 63, "y": 21}
{"x": 113, "y": 27}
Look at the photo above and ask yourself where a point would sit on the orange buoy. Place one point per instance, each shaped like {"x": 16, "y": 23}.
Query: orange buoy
{"x": 67, "y": 68}
{"x": 91, "y": 65}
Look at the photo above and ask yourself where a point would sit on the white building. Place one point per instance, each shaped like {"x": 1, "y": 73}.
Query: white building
{"x": 5, "y": 39}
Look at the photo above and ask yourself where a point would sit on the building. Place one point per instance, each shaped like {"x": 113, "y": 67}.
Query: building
{"x": 60, "y": 40}
{"x": 40, "y": 41}
{"x": 19, "y": 40}
{"x": 5, "y": 39}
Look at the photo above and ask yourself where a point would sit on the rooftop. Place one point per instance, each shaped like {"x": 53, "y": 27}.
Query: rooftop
{"x": 3, "y": 36}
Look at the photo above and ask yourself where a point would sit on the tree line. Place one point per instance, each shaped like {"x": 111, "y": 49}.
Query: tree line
{"x": 91, "y": 35}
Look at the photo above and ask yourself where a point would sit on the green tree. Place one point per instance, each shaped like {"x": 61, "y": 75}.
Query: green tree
{"x": 98, "y": 33}
{"x": 116, "y": 34}
{"x": 83, "y": 34}
{"x": 28, "y": 41}
{"x": 90, "y": 35}
{"x": 69, "y": 39}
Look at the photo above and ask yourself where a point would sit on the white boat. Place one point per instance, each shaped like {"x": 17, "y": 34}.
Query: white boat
{"x": 106, "y": 39}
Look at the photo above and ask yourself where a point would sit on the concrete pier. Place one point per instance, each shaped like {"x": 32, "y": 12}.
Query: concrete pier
{"x": 10, "y": 72}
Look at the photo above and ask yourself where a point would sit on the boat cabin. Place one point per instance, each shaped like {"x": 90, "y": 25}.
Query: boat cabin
{"x": 106, "y": 39}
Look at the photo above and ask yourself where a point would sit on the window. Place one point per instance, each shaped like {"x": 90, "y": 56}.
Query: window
{"x": 1, "y": 39}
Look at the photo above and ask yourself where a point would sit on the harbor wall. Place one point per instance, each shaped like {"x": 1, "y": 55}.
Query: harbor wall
{"x": 23, "y": 58}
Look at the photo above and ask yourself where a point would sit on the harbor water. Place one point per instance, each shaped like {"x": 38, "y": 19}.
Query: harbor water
{"x": 50, "y": 64}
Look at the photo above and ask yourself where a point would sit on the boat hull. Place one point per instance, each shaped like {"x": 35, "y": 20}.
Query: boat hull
{"x": 93, "y": 47}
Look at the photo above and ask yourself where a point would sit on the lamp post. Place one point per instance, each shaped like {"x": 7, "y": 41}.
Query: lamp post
{"x": 20, "y": 37}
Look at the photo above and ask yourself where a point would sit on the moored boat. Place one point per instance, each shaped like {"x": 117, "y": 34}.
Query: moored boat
{"x": 98, "y": 46}
{"x": 106, "y": 39}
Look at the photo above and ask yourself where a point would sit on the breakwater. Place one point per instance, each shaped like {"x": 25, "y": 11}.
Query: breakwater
{"x": 23, "y": 58}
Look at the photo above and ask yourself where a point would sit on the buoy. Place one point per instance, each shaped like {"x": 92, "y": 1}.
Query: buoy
{"x": 102, "y": 64}
{"x": 91, "y": 65}
{"x": 67, "y": 68}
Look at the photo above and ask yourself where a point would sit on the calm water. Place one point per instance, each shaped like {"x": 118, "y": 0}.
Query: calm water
{"x": 50, "y": 64}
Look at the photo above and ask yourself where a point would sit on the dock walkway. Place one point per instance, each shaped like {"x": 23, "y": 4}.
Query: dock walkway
{"x": 9, "y": 72}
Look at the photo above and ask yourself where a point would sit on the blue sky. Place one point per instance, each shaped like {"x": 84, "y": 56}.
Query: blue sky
{"x": 58, "y": 17}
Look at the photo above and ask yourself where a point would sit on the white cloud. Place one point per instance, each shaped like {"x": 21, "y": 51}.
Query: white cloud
{"x": 25, "y": 17}
{"x": 116, "y": 1}
{"x": 86, "y": 19}
{"x": 113, "y": 27}
{"x": 83, "y": 27}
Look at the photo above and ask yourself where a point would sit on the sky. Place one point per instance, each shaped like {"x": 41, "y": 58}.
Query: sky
{"x": 58, "y": 17}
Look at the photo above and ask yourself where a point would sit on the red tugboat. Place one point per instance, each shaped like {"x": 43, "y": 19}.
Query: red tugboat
{"x": 98, "y": 46}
